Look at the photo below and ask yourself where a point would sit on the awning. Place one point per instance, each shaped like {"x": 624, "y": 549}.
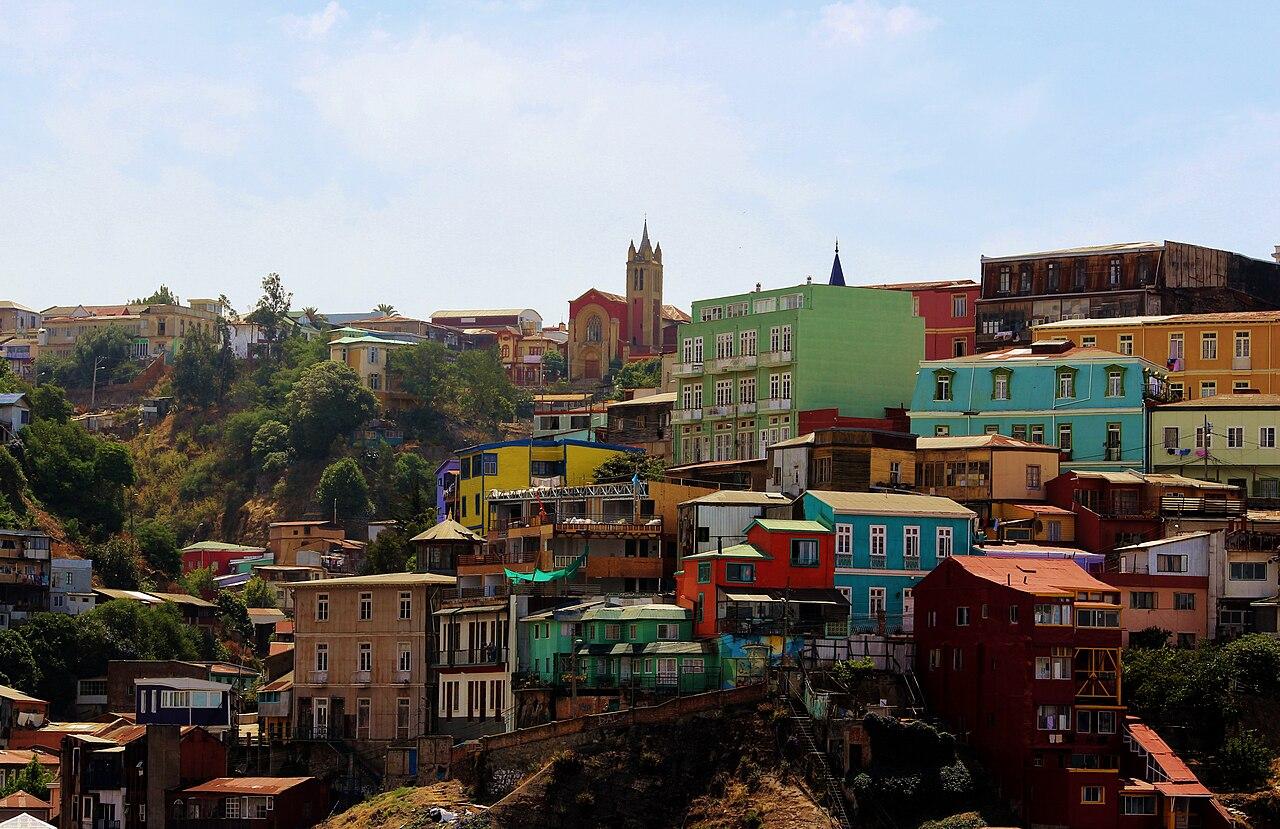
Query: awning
{"x": 112, "y": 750}
{"x": 751, "y": 597}
{"x": 1273, "y": 601}
{"x": 539, "y": 576}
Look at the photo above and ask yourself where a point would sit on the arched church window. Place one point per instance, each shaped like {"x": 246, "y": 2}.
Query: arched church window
{"x": 594, "y": 333}
{"x": 639, "y": 279}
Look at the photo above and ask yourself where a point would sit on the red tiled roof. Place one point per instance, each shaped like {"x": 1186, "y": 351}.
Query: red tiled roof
{"x": 1044, "y": 509}
{"x": 22, "y": 800}
{"x": 20, "y": 757}
{"x": 284, "y": 626}
{"x": 246, "y": 785}
{"x": 1151, "y": 742}
{"x": 1032, "y": 575}
{"x": 279, "y": 647}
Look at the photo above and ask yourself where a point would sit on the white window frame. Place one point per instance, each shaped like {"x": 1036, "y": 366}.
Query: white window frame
{"x": 945, "y": 542}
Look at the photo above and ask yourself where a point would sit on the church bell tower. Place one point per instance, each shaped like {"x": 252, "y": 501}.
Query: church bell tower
{"x": 644, "y": 296}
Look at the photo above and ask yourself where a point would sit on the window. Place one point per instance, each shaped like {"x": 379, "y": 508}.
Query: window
{"x": 991, "y": 429}
{"x": 231, "y": 807}
{"x": 1037, "y": 433}
{"x": 406, "y": 605}
{"x": 959, "y": 306}
{"x": 1013, "y": 614}
{"x": 366, "y": 606}
{"x": 962, "y": 617}
{"x": 804, "y": 552}
{"x": 724, "y": 345}
{"x": 877, "y": 545}
{"x": 1053, "y": 614}
{"x": 1235, "y": 437}
{"x": 666, "y": 632}
{"x": 364, "y": 661}
{"x": 1033, "y": 476}
{"x": 1000, "y": 384}
{"x": 1053, "y": 717}
{"x": 1137, "y": 804}
{"x": 1088, "y": 341}
{"x": 786, "y": 338}
{"x": 1092, "y": 795}
{"x": 404, "y": 659}
{"x": 957, "y": 659}
{"x": 1024, "y": 279}
{"x": 942, "y": 384}
{"x": 941, "y": 431}
{"x": 322, "y": 656}
{"x": 724, "y": 392}
{"x": 322, "y": 607}
{"x": 1208, "y": 388}
{"x": 1113, "y": 271}
{"x": 613, "y": 632}
{"x": 1176, "y": 350}
{"x": 1111, "y": 449}
{"x": 1006, "y": 274}
{"x": 1115, "y": 382}
{"x": 1053, "y": 667}
{"x": 1209, "y": 346}
{"x": 959, "y": 345}
{"x": 1126, "y": 344}
{"x": 375, "y": 382}
{"x": 1064, "y": 437}
{"x": 1242, "y": 344}
{"x": 945, "y": 542}
{"x": 844, "y": 542}
{"x": 1052, "y": 270}
{"x": 876, "y": 600}
{"x": 1204, "y": 440}
{"x": 786, "y": 385}
{"x": 1248, "y": 571}
{"x": 1184, "y": 601}
{"x": 747, "y": 343}
{"x": 1267, "y": 437}
{"x": 1239, "y": 386}
{"x": 704, "y": 572}
{"x": 911, "y": 545}
{"x": 1170, "y": 437}
{"x": 740, "y": 573}
{"x": 1066, "y": 383}
{"x": 1094, "y": 618}
{"x": 489, "y": 460}
{"x": 935, "y": 658}
{"x": 1171, "y": 563}
{"x": 1142, "y": 600}
{"x": 1175, "y": 391}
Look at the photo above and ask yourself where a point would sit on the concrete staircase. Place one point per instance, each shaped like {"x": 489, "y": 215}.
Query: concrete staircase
{"x": 803, "y": 725}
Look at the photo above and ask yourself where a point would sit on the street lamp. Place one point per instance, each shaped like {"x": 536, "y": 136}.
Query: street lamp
{"x": 93, "y": 392}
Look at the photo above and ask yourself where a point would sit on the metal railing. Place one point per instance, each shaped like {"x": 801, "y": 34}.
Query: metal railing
{"x": 605, "y": 524}
{"x": 482, "y": 592}
{"x": 521, "y": 557}
{"x": 491, "y": 655}
{"x": 777, "y": 627}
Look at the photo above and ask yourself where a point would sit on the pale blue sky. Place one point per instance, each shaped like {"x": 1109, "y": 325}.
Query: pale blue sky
{"x": 458, "y": 154}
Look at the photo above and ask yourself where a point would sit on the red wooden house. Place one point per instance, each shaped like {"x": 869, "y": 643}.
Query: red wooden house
{"x": 1021, "y": 658}
{"x": 780, "y": 581}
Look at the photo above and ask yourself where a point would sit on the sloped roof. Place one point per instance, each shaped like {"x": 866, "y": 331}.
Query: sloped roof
{"x": 788, "y": 525}
{"x": 26, "y": 821}
{"x": 650, "y": 399}
{"x": 924, "y": 286}
{"x": 246, "y": 785}
{"x": 482, "y": 312}
{"x": 448, "y": 530}
{"x": 282, "y": 683}
{"x": 221, "y": 546}
{"x": 1117, "y": 247}
{"x": 1228, "y": 401}
{"x": 884, "y": 503}
{"x": 11, "y": 305}
{"x": 387, "y": 579}
{"x": 17, "y": 696}
{"x": 671, "y": 312}
{"x": 980, "y": 442}
{"x": 743, "y": 498}
{"x": 1041, "y": 576}
{"x": 633, "y": 612}
{"x": 10, "y": 398}
{"x": 735, "y": 551}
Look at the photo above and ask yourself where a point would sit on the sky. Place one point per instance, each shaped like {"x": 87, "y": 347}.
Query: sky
{"x": 496, "y": 154}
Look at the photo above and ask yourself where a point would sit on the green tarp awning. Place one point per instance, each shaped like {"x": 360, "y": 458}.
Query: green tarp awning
{"x": 549, "y": 575}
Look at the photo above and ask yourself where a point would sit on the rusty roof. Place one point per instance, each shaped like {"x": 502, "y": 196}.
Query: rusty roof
{"x": 283, "y": 683}
{"x": 22, "y": 756}
{"x": 1040, "y": 576}
{"x": 247, "y": 785}
{"x": 22, "y": 800}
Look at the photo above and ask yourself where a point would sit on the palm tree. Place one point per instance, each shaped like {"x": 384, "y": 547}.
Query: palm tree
{"x": 313, "y": 315}
{"x": 386, "y": 310}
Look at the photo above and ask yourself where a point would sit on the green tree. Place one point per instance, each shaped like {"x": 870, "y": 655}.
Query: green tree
{"x": 196, "y": 371}
{"x": 139, "y": 631}
{"x": 115, "y": 561}
{"x": 18, "y": 668}
{"x": 413, "y": 482}
{"x": 388, "y": 553}
{"x": 12, "y": 484}
{"x": 33, "y": 779}
{"x": 326, "y": 402}
{"x": 426, "y": 372}
{"x": 234, "y": 615}
{"x": 385, "y": 309}
{"x": 199, "y": 582}
{"x": 162, "y": 296}
{"x": 343, "y": 488}
{"x": 66, "y": 648}
{"x": 49, "y": 402}
{"x": 554, "y": 367}
{"x": 158, "y": 544}
{"x": 486, "y": 394}
{"x": 313, "y": 316}
{"x": 1244, "y": 762}
{"x": 271, "y": 313}
{"x": 259, "y": 593}
{"x": 111, "y": 348}
{"x": 624, "y": 466}
{"x": 272, "y": 438}
{"x": 76, "y": 475}
{"x": 641, "y": 374}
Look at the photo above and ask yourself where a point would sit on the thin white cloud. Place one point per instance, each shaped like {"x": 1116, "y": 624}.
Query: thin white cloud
{"x": 315, "y": 26}
{"x": 866, "y": 21}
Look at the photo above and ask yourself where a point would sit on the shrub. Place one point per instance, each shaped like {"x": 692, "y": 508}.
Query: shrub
{"x": 1244, "y": 763}
{"x": 965, "y": 820}
{"x": 1150, "y": 637}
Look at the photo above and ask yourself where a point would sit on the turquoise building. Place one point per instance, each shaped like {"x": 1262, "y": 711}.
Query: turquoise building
{"x": 1089, "y": 403}
{"x": 886, "y": 543}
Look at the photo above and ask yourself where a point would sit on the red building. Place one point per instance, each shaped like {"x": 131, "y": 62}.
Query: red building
{"x": 217, "y": 555}
{"x": 1021, "y": 657}
{"x": 250, "y": 803}
{"x": 783, "y": 565}
{"x": 948, "y": 310}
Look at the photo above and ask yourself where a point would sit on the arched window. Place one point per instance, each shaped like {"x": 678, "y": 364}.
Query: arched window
{"x": 639, "y": 279}
{"x": 506, "y": 351}
{"x": 594, "y": 333}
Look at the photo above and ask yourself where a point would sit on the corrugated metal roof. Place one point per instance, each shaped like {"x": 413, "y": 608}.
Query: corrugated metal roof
{"x": 10, "y": 398}
{"x": 631, "y": 613}
{"x": 389, "y": 579}
{"x": 247, "y": 785}
{"x": 485, "y": 312}
{"x": 222, "y": 546}
{"x": 647, "y": 400}
{"x": 1228, "y": 401}
{"x": 789, "y": 525}
{"x": 1116, "y": 247}
{"x": 884, "y": 503}
{"x": 736, "y": 551}
{"x": 1033, "y": 575}
{"x": 737, "y": 497}
{"x": 979, "y": 442}
{"x": 448, "y": 530}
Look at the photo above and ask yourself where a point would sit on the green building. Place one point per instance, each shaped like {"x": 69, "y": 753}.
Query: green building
{"x": 749, "y": 364}
{"x": 645, "y": 646}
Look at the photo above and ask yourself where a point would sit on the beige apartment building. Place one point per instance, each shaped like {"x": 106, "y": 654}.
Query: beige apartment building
{"x": 156, "y": 329}
{"x": 362, "y": 655}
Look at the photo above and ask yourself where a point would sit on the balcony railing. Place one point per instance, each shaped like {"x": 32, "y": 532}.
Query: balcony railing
{"x": 777, "y": 627}
{"x": 492, "y": 655}
{"x": 740, "y": 363}
{"x": 519, "y": 557}
{"x": 720, "y": 411}
{"x": 482, "y": 592}
{"x": 608, "y": 525}
{"x": 1113, "y": 453}
{"x": 1241, "y": 363}
{"x": 746, "y": 409}
{"x": 361, "y": 677}
{"x": 402, "y": 677}
{"x": 686, "y": 369}
{"x": 1206, "y": 505}
{"x": 318, "y": 677}
{"x": 844, "y": 560}
{"x": 878, "y": 562}
{"x": 775, "y": 358}
{"x": 775, "y": 404}
{"x": 686, "y": 415}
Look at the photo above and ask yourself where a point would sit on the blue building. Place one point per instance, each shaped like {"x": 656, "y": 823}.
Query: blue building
{"x": 1088, "y": 402}
{"x": 886, "y": 543}
{"x": 183, "y": 701}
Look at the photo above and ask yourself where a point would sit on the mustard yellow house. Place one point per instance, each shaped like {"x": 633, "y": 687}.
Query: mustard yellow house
{"x": 523, "y": 464}
{"x": 1205, "y": 354}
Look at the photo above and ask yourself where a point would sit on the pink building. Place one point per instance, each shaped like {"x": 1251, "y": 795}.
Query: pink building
{"x": 1165, "y": 584}
{"x": 947, "y": 309}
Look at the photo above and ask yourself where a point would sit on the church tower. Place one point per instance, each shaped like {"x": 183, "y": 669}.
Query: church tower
{"x": 644, "y": 296}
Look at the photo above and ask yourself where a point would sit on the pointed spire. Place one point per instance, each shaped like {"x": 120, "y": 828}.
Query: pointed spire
{"x": 837, "y": 272}
{"x": 645, "y": 248}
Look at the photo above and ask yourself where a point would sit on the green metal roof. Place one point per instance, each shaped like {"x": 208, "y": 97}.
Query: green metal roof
{"x": 677, "y": 648}
{"x": 631, "y": 613}
{"x": 736, "y": 551}
{"x": 787, "y": 525}
{"x": 222, "y": 546}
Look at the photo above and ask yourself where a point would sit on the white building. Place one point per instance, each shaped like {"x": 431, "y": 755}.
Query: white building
{"x": 71, "y": 586}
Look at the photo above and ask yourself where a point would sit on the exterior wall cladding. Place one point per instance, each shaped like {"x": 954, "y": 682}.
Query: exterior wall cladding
{"x": 1116, "y": 281}
{"x": 738, "y": 390}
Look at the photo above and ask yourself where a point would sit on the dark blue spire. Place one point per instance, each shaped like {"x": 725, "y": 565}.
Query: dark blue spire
{"x": 837, "y": 272}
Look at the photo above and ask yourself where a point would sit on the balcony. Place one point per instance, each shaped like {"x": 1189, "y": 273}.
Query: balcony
{"x": 775, "y": 404}
{"x": 1241, "y": 363}
{"x": 318, "y": 677}
{"x": 464, "y": 657}
{"x": 523, "y": 557}
{"x": 686, "y": 415}
{"x": 608, "y": 525}
{"x": 686, "y": 369}
{"x": 484, "y": 592}
{"x": 1205, "y": 505}
{"x": 777, "y": 627}
{"x": 775, "y": 358}
{"x": 361, "y": 677}
{"x": 742, "y": 362}
{"x": 844, "y": 561}
{"x": 624, "y": 567}
{"x": 745, "y": 409}
{"x": 720, "y": 411}
{"x": 402, "y": 677}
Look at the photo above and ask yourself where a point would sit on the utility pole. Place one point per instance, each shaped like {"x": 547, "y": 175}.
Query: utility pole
{"x": 573, "y": 679}
{"x": 1207, "y": 426}
{"x": 93, "y": 391}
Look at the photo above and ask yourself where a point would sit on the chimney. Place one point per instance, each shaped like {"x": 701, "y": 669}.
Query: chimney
{"x": 1276, "y": 254}
{"x": 757, "y": 287}
{"x": 808, "y": 280}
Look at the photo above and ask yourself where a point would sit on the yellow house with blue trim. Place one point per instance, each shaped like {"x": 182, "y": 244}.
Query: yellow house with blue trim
{"x": 523, "y": 464}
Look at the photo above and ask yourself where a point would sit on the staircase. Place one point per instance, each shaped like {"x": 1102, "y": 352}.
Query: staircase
{"x": 914, "y": 692}
{"x": 835, "y": 796}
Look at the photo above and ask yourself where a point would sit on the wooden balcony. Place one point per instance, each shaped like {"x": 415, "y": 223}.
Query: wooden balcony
{"x": 623, "y": 567}
{"x": 608, "y": 526}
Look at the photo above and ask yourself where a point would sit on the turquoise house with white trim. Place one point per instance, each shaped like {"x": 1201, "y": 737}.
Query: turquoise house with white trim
{"x": 885, "y": 543}
{"x": 1090, "y": 403}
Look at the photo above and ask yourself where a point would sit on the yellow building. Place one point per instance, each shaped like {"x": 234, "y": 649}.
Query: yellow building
{"x": 1205, "y": 354}
{"x": 522, "y": 464}
{"x": 366, "y": 355}
{"x": 156, "y": 329}
{"x": 1239, "y": 447}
